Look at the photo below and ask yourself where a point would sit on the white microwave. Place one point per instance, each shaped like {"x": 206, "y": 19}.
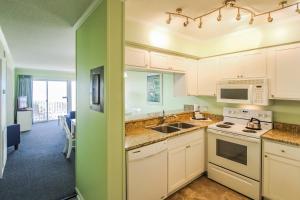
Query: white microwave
{"x": 243, "y": 91}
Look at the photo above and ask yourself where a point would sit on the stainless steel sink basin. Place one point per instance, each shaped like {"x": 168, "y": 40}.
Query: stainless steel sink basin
{"x": 181, "y": 125}
{"x": 165, "y": 129}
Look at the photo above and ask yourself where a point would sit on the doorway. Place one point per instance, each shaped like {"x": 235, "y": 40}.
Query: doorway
{"x": 50, "y": 100}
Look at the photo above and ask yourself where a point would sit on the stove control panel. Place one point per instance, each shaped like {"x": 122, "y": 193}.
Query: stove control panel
{"x": 262, "y": 115}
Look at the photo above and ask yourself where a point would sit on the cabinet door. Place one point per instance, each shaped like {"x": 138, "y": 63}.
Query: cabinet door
{"x": 178, "y": 63}
{"x": 159, "y": 61}
{"x": 284, "y": 72}
{"x": 192, "y": 78}
{"x": 253, "y": 64}
{"x": 176, "y": 168}
{"x": 208, "y": 76}
{"x": 195, "y": 159}
{"x": 230, "y": 66}
{"x": 136, "y": 57}
{"x": 281, "y": 178}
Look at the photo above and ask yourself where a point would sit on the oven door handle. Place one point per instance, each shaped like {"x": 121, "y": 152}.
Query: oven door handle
{"x": 236, "y": 136}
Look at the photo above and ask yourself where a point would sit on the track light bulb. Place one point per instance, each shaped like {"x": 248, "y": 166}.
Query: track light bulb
{"x": 251, "y": 20}
{"x": 219, "y": 16}
{"x": 298, "y": 9}
{"x": 169, "y": 20}
{"x": 270, "y": 19}
{"x": 238, "y": 16}
{"x": 200, "y": 23}
{"x": 186, "y": 22}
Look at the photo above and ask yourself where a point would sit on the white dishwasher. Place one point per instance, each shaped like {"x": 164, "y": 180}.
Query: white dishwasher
{"x": 147, "y": 172}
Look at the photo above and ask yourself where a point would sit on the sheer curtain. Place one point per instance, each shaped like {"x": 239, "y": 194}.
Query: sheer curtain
{"x": 25, "y": 88}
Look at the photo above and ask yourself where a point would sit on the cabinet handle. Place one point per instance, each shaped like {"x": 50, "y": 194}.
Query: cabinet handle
{"x": 283, "y": 151}
{"x": 266, "y": 156}
{"x": 188, "y": 146}
{"x": 272, "y": 95}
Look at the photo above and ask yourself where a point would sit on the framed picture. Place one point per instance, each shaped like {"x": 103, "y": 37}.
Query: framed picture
{"x": 154, "y": 88}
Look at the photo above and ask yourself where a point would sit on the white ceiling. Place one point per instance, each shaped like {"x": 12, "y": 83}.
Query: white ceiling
{"x": 154, "y": 13}
{"x": 40, "y": 33}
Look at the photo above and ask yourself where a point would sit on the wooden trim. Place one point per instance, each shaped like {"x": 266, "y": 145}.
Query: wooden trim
{"x": 258, "y": 48}
{"x": 161, "y": 50}
{"x": 87, "y": 13}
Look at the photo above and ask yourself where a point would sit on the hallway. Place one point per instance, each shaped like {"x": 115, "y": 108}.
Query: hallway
{"x": 39, "y": 170}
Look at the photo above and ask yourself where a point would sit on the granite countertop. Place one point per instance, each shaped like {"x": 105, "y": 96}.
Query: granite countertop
{"x": 283, "y": 136}
{"x": 140, "y": 137}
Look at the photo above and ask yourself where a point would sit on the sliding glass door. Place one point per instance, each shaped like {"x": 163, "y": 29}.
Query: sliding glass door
{"x": 50, "y": 100}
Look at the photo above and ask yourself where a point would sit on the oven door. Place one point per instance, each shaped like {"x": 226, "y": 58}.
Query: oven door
{"x": 233, "y": 93}
{"x": 237, "y": 153}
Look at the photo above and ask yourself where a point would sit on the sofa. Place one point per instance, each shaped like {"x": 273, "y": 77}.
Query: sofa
{"x": 13, "y": 136}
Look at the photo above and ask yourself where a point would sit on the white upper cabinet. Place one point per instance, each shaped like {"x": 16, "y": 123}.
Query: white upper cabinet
{"x": 253, "y": 64}
{"x": 284, "y": 67}
{"x": 136, "y": 57}
{"x": 208, "y": 76}
{"x": 230, "y": 66}
{"x": 192, "y": 78}
{"x": 250, "y": 64}
{"x": 160, "y": 61}
{"x": 178, "y": 63}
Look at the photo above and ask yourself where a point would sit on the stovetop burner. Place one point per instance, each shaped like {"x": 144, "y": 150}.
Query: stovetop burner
{"x": 223, "y": 126}
{"x": 228, "y": 123}
{"x": 249, "y": 131}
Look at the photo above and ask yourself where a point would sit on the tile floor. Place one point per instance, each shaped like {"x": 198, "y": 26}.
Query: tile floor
{"x": 206, "y": 189}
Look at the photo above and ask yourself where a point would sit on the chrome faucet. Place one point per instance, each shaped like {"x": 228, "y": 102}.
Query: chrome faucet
{"x": 163, "y": 117}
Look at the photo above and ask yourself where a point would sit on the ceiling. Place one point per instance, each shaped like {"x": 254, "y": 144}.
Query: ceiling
{"x": 154, "y": 13}
{"x": 40, "y": 33}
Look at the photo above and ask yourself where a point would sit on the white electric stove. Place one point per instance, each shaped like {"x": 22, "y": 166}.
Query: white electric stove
{"x": 234, "y": 151}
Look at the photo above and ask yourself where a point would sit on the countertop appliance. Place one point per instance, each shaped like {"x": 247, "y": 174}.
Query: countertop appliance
{"x": 150, "y": 184}
{"x": 234, "y": 153}
{"x": 243, "y": 91}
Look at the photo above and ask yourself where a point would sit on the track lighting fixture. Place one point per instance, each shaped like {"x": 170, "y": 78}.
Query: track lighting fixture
{"x": 186, "y": 22}
{"x": 238, "y": 16}
{"x": 169, "y": 19}
{"x": 200, "y": 23}
{"x": 219, "y": 18}
{"x": 270, "y": 19}
{"x": 251, "y": 19}
{"x": 231, "y": 4}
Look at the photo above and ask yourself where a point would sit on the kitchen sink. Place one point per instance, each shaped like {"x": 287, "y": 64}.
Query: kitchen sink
{"x": 181, "y": 125}
{"x": 166, "y": 129}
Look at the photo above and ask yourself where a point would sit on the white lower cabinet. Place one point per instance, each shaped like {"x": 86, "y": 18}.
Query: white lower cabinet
{"x": 185, "y": 159}
{"x": 281, "y": 171}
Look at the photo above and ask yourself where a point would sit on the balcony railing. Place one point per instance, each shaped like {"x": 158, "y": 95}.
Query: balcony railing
{"x": 41, "y": 113}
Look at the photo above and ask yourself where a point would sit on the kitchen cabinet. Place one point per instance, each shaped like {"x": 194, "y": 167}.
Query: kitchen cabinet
{"x": 136, "y": 57}
{"x": 185, "y": 159}
{"x": 250, "y": 64}
{"x": 195, "y": 162}
{"x": 208, "y": 76}
{"x": 160, "y": 61}
{"x": 177, "y": 168}
{"x": 253, "y": 64}
{"x": 191, "y": 78}
{"x": 284, "y": 70}
{"x": 229, "y": 66}
{"x": 178, "y": 63}
{"x": 281, "y": 171}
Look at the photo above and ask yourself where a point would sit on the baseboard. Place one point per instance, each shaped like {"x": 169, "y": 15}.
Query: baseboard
{"x": 79, "y": 195}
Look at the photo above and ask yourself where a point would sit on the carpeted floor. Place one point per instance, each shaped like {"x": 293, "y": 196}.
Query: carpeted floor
{"x": 38, "y": 170}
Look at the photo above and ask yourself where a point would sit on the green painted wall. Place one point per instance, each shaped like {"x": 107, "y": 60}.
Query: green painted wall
{"x": 46, "y": 74}
{"x": 135, "y": 94}
{"x": 100, "y": 145}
